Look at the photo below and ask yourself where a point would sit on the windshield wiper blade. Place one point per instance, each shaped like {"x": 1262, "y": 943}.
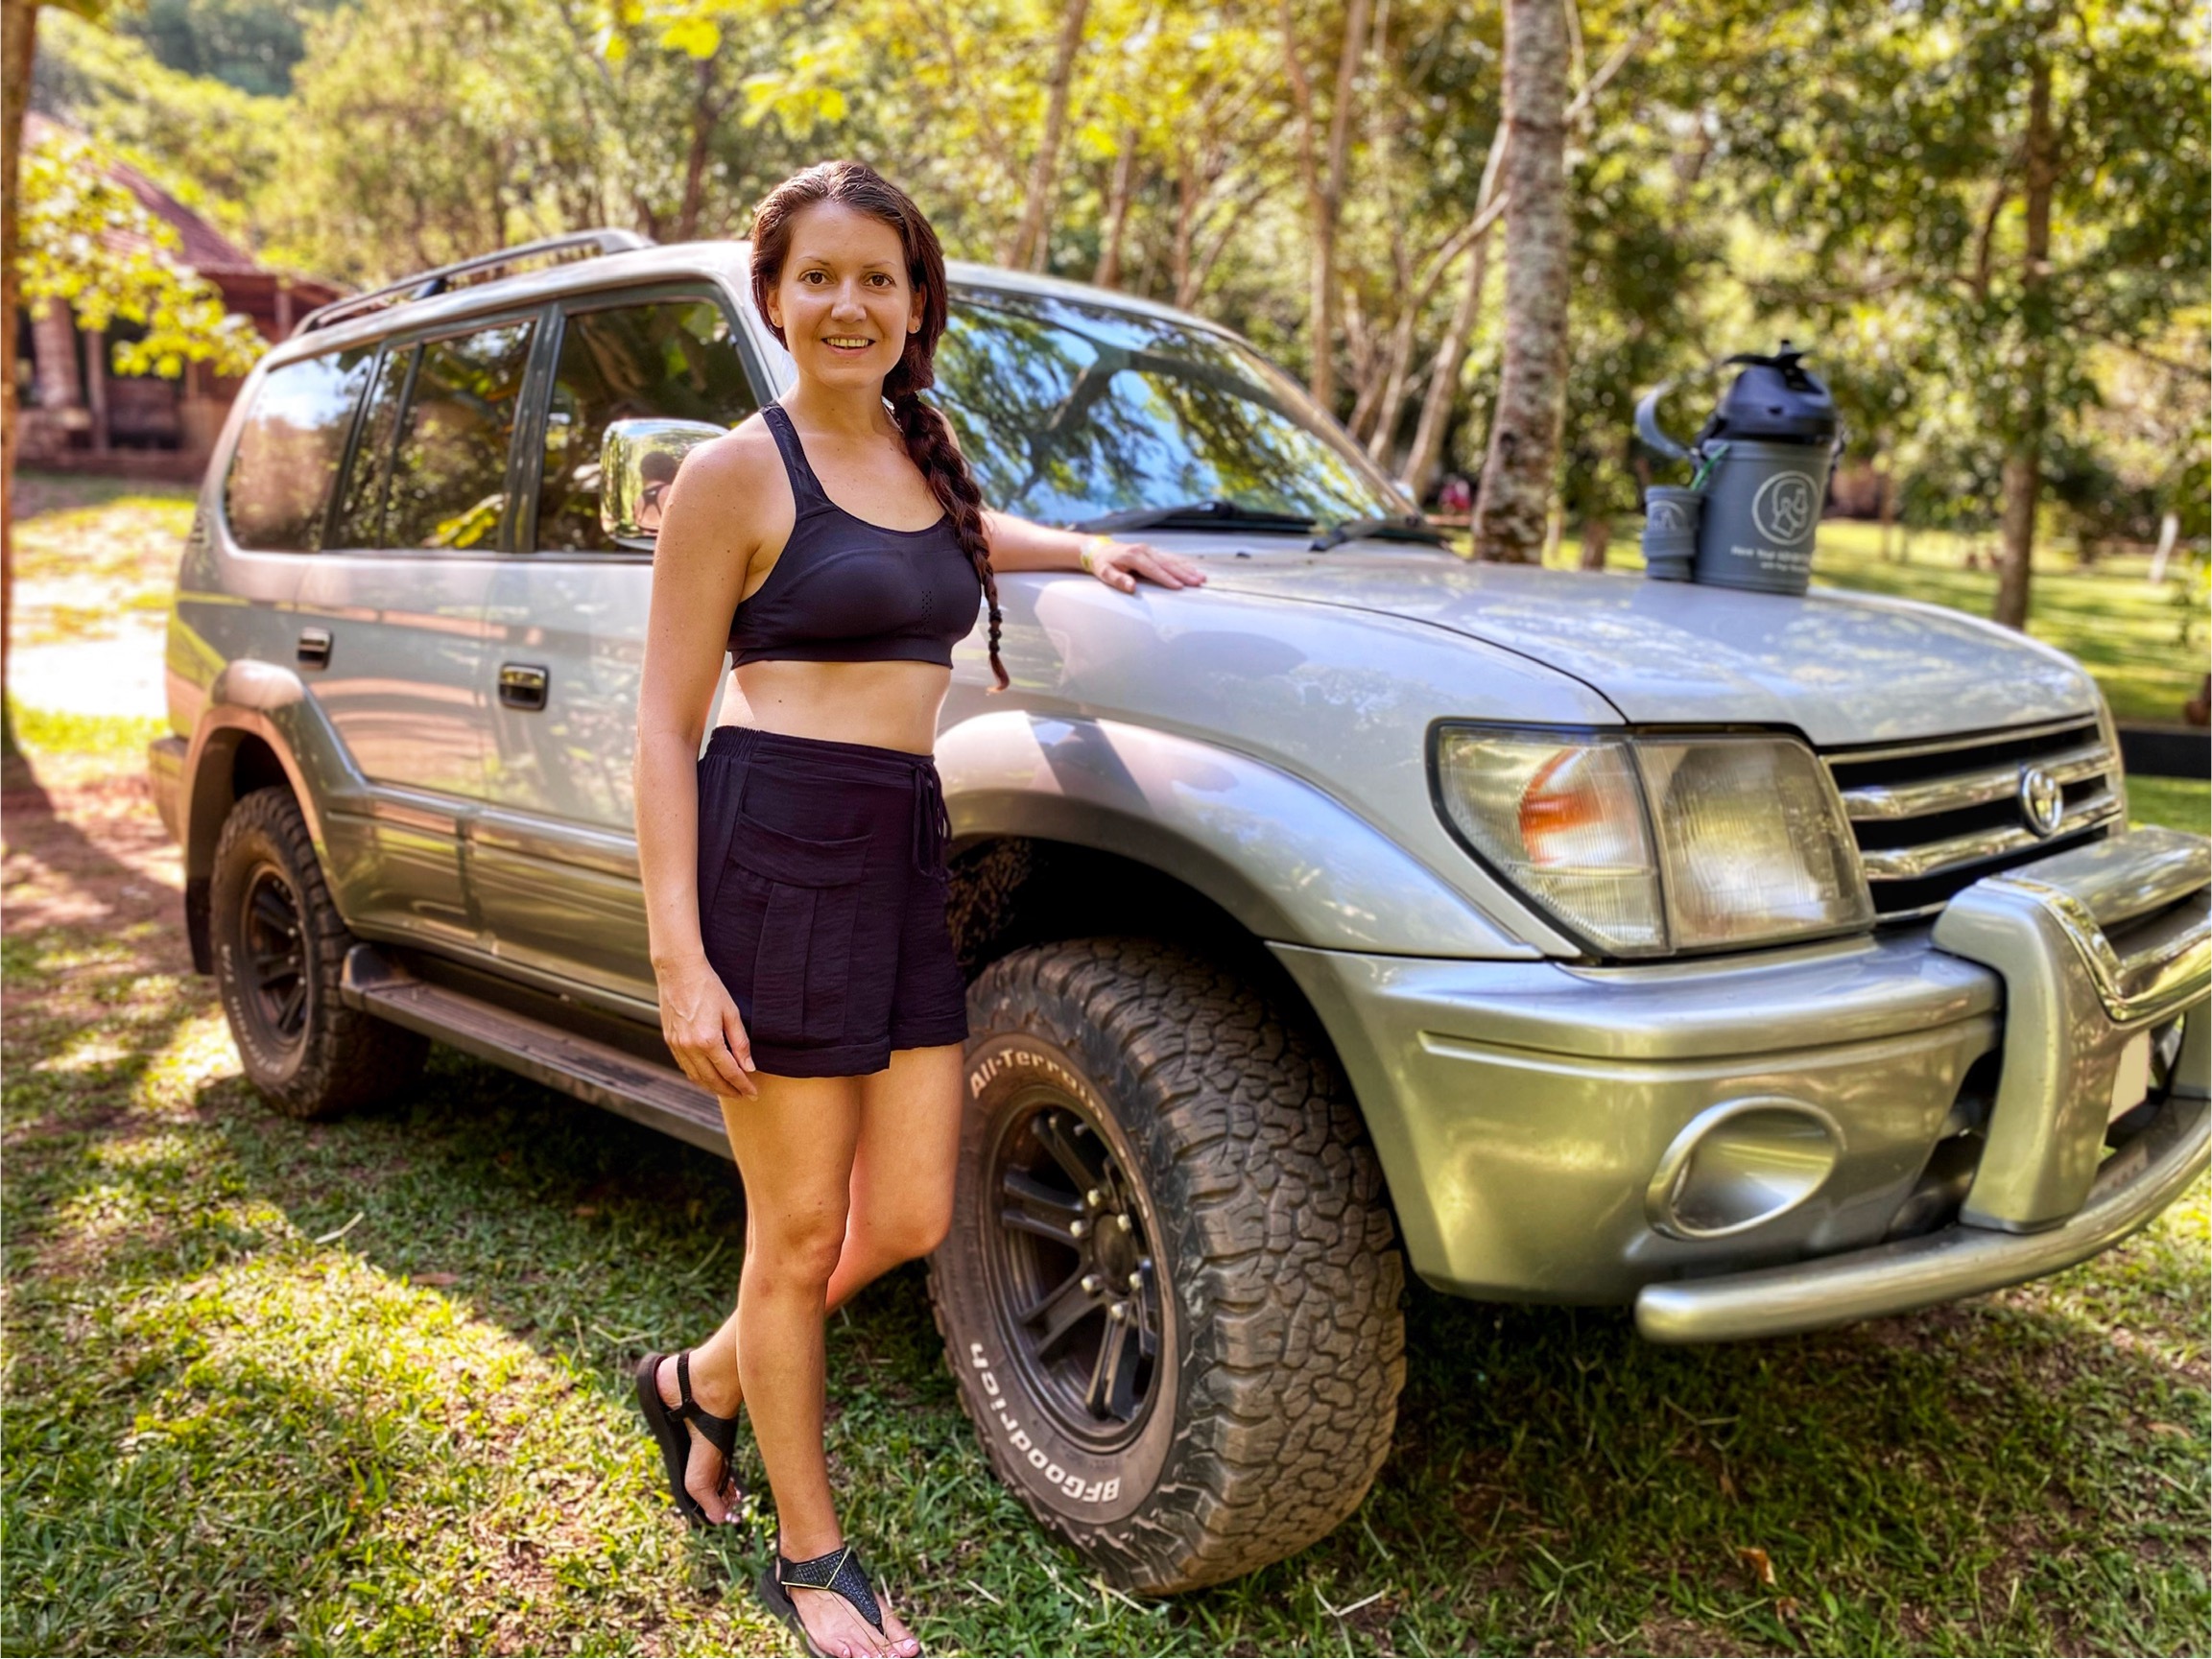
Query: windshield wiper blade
{"x": 1407, "y": 528}
{"x": 1196, "y": 515}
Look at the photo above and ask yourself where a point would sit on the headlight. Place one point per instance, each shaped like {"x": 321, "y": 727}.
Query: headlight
{"x": 1647, "y": 845}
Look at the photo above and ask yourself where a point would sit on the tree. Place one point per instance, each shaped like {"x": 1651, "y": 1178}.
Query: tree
{"x": 1026, "y": 251}
{"x": 89, "y": 243}
{"x": 1513, "y": 508}
{"x": 2027, "y": 180}
{"x": 1325, "y": 175}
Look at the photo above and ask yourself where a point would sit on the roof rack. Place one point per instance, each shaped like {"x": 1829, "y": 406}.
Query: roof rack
{"x": 573, "y": 245}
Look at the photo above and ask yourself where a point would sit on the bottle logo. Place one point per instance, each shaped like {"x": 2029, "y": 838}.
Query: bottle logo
{"x": 1785, "y": 507}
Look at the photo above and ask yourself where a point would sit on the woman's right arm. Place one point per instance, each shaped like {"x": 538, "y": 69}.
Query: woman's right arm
{"x": 706, "y": 541}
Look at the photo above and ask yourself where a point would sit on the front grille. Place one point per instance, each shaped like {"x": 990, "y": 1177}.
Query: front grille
{"x": 1932, "y": 818}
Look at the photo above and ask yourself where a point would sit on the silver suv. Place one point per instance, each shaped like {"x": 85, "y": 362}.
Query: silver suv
{"x": 1766, "y": 963}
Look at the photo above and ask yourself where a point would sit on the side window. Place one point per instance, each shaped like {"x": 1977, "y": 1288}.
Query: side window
{"x": 289, "y": 451}
{"x": 361, "y": 503}
{"x": 448, "y": 467}
{"x": 673, "y": 358}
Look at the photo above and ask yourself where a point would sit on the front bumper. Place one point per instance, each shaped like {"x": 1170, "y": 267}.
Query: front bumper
{"x": 1533, "y": 1118}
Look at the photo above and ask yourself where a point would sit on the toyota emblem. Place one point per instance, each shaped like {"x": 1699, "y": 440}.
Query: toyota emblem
{"x": 2041, "y": 800}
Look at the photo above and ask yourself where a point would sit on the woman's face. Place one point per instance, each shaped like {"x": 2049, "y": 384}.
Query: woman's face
{"x": 842, "y": 299}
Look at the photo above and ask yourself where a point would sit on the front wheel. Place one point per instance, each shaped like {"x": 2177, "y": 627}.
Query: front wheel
{"x": 1169, "y": 1296}
{"x": 279, "y": 946}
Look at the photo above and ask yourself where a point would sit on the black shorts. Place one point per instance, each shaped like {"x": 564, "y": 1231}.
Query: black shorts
{"x": 822, "y": 891}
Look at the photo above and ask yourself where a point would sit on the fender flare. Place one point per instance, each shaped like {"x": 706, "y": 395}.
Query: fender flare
{"x": 1289, "y": 862}
{"x": 261, "y": 699}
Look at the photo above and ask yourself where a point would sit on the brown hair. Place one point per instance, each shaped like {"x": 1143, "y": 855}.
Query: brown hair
{"x": 928, "y": 436}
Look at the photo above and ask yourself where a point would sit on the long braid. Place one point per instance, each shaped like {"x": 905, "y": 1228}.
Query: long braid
{"x": 929, "y": 442}
{"x": 927, "y": 434}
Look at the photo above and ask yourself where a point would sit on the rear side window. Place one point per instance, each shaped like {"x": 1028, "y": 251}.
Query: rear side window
{"x": 289, "y": 451}
{"x": 446, "y": 480}
{"x": 673, "y": 358}
{"x": 360, "y": 521}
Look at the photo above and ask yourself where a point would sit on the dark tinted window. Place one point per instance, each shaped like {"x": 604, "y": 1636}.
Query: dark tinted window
{"x": 360, "y": 506}
{"x": 288, "y": 450}
{"x": 1067, "y": 412}
{"x": 674, "y": 359}
{"x": 448, "y": 466}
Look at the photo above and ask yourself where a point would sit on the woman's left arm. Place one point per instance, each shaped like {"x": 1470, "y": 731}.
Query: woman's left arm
{"x": 1017, "y": 544}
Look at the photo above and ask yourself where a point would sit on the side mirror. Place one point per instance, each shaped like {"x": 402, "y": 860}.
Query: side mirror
{"x": 637, "y": 463}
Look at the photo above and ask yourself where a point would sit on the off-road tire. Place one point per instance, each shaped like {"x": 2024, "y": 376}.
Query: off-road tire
{"x": 327, "y": 1059}
{"x": 1252, "y": 1184}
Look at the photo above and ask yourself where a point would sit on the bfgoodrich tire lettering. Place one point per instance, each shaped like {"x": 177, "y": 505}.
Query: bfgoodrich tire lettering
{"x": 279, "y": 944}
{"x": 1127, "y": 1097}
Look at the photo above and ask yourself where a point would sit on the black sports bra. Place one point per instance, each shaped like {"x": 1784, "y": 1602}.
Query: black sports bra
{"x": 846, "y": 590}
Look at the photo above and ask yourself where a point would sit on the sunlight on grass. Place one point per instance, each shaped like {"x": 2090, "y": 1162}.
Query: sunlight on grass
{"x": 2176, "y": 803}
{"x": 51, "y": 731}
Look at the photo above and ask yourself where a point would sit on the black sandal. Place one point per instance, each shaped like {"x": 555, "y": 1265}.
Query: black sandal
{"x": 839, "y": 1572}
{"x": 675, "y": 1441}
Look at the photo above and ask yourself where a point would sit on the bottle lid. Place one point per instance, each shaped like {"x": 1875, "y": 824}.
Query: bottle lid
{"x": 1775, "y": 400}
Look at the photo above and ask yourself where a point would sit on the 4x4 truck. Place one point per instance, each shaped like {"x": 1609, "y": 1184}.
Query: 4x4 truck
{"x": 1764, "y": 961}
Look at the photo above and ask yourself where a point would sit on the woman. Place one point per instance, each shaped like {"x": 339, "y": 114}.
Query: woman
{"x": 794, "y": 876}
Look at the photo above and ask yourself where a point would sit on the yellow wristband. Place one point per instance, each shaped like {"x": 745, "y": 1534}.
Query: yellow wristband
{"x": 1089, "y": 551}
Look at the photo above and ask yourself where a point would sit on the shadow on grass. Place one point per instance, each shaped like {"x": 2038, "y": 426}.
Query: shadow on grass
{"x": 1946, "y": 1480}
{"x": 372, "y": 1378}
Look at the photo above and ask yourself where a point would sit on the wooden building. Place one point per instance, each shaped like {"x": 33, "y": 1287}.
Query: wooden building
{"x": 78, "y": 415}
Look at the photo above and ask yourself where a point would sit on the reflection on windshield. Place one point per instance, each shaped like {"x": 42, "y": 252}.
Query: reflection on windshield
{"x": 1067, "y": 412}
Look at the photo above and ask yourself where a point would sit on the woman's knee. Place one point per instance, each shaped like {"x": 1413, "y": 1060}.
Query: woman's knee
{"x": 801, "y": 1252}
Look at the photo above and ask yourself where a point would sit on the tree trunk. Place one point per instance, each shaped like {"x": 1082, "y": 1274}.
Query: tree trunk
{"x": 18, "y": 39}
{"x": 1512, "y": 511}
{"x": 1030, "y": 241}
{"x": 2024, "y": 453}
{"x": 1427, "y": 453}
{"x": 705, "y": 112}
{"x": 1597, "y": 537}
{"x": 1324, "y": 181}
{"x": 1886, "y": 500}
{"x": 1109, "y": 273}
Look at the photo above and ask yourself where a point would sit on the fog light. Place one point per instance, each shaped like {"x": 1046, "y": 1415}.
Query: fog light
{"x": 1739, "y": 1165}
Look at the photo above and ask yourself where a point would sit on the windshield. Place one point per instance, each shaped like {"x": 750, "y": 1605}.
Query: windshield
{"x": 1069, "y": 412}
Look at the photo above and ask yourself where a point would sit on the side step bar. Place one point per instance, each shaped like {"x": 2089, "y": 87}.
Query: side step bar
{"x": 591, "y": 1071}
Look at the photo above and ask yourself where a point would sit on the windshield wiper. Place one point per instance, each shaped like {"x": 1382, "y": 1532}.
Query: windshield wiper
{"x": 1196, "y": 515}
{"x": 1411, "y": 528}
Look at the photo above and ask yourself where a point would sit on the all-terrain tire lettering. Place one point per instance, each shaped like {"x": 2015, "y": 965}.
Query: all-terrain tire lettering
{"x": 1287, "y": 1279}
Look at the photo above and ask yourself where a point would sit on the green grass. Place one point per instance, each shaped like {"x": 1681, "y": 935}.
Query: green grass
{"x": 362, "y": 1386}
{"x": 2177, "y": 803}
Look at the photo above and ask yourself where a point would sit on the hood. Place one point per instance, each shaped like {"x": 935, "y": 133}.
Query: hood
{"x": 1842, "y": 668}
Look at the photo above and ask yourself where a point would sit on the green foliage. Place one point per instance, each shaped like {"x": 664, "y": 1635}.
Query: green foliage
{"x": 90, "y": 244}
{"x": 1845, "y": 171}
{"x": 249, "y": 44}
{"x": 1880, "y": 148}
{"x": 220, "y": 151}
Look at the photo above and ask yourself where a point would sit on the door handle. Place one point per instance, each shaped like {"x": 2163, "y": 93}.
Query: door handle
{"x": 315, "y": 646}
{"x": 523, "y": 684}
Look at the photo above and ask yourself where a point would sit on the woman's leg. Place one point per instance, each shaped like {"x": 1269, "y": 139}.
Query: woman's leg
{"x": 899, "y": 1206}
{"x": 900, "y": 1201}
{"x": 794, "y": 1145}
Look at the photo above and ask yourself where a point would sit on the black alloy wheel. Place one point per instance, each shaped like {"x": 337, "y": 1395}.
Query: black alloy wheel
{"x": 1170, "y": 1294}
{"x": 1071, "y": 1258}
{"x": 279, "y": 946}
{"x": 272, "y": 931}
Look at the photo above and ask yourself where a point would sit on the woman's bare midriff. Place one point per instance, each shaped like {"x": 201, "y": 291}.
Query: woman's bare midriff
{"x": 886, "y": 704}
